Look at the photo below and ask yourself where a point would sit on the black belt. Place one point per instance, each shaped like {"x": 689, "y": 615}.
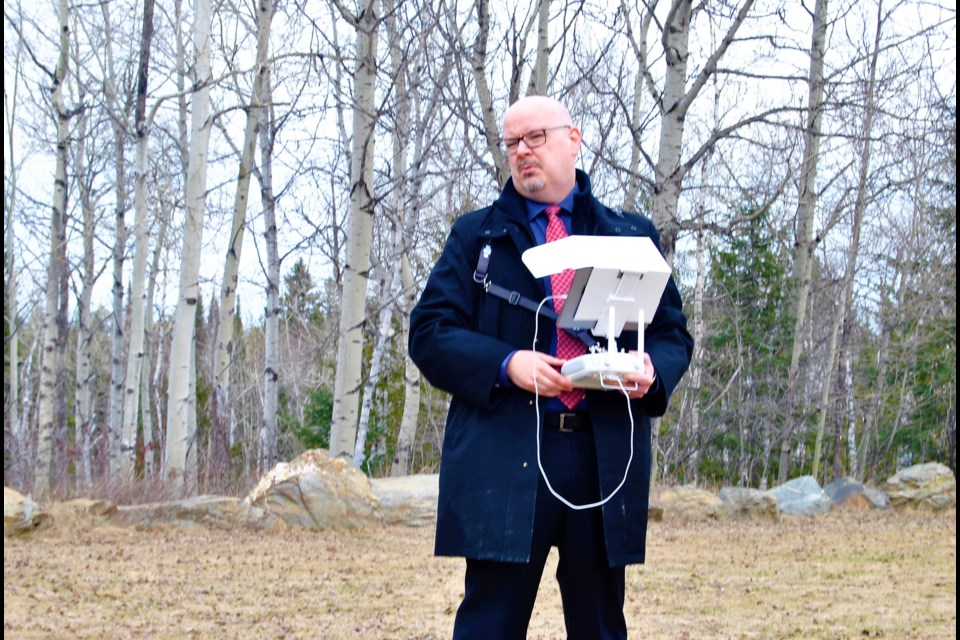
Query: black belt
{"x": 578, "y": 422}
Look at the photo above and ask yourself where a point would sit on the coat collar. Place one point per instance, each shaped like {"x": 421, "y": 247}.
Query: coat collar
{"x": 509, "y": 212}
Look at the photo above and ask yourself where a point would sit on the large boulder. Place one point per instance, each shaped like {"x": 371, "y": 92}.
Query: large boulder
{"x": 930, "y": 485}
{"x": 316, "y": 492}
{"x": 849, "y": 493}
{"x": 801, "y": 497}
{"x": 408, "y": 500}
{"x": 752, "y": 504}
{"x": 20, "y": 513}
{"x": 691, "y": 503}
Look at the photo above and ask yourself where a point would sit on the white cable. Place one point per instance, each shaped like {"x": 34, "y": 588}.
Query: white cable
{"x": 543, "y": 473}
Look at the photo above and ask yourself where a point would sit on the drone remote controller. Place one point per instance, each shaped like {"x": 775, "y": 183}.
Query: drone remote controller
{"x": 603, "y": 370}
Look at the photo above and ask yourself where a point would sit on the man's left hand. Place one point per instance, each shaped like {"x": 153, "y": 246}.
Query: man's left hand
{"x": 644, "y": 381}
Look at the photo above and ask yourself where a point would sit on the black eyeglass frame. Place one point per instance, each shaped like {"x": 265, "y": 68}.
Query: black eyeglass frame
{"x": 511, "y": 145}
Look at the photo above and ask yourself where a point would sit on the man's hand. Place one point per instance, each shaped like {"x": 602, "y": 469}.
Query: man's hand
{"x": 538, "y": 373}
{"x": 643, "y": 380}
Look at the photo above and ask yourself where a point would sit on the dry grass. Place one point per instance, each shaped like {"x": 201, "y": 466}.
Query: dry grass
{"x": 845, "y": 575}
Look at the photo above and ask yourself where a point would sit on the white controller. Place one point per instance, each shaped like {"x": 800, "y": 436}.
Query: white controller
{"x": 603, "y": 370}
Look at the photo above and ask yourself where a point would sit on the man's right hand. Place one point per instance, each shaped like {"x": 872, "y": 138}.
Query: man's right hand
{"x": 538, "y": 373}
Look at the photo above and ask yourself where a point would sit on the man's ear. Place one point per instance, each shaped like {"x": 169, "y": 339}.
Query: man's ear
{"x": 575, "y": 138}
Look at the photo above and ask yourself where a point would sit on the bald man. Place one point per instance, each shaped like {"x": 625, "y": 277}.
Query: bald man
{"x": 496, "y": 508}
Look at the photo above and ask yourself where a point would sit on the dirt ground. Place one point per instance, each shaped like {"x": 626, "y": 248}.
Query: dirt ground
{"x": 849, "y": 574}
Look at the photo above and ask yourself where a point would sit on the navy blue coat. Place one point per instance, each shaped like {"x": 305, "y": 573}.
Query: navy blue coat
{"x": 459, "y": 337}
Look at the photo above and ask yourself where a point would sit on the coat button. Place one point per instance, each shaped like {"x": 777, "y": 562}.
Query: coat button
{"x": 524, "y": 465}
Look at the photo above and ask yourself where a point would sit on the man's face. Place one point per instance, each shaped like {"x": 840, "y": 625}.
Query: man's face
{"x": 545, "y": 173}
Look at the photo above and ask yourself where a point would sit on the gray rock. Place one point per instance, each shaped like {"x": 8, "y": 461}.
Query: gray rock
{"x": 750, "y": 503}
{"x": 801, "y": 497}
{"x": 848, "y": 492}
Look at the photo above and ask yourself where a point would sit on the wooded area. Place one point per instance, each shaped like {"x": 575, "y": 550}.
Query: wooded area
{"x": 799, "y": 159}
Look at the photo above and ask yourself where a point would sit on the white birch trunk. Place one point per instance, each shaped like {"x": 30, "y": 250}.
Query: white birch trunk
{"x": 343, "y": 426}
{"x": 387, "y": 292}
{"x": 224, "y": 344}
{"x": 42, "y": 484}
{"x": 844, "y": 309}
{"x": 136, "y": 352}
{"x": 805, "y": 242}
{"x": 152, "y": 442}
{"x": 540, "y": 76}
{"x": 11, "y": 272}
{"x": 118, "y": 117}
{"x": 271, "y": 371}
{"x": 180, "y": 392}
{"x": 83, "y": 389}
{"x": 411, "y": 377}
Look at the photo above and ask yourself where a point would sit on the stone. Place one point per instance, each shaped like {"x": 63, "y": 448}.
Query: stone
{"x": 21, "y": 514}
{"x": 408, "y": 500}
{"x": 751, "y": 504}
{"x": 315, "y": 491}
{"x": 930, "y": 485}
{"x": 691, "y": 503}
{"x": 850, "y": 493}
{"x": 801, "y": 497}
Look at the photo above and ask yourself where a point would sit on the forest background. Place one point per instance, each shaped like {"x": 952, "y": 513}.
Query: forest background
{"x": 167, "y": 328}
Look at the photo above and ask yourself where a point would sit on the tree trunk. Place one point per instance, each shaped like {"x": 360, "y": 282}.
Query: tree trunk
{"x": 343, "y": 426}
{"x": 271, "y": 372}
{"x": 46, "y": 406}
{"x": 805, "y": 241}
{"x": 218, "y": 459}
{"x": 86, "y": 334}
{"x": 540, "y": 76}
{"x": 136, "y": 352}
{"x": 179, "y": 392}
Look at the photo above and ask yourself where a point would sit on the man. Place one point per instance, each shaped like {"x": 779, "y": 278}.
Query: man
{"x": 495, "y": 507}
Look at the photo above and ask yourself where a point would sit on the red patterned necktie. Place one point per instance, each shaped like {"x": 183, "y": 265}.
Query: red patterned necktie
{"x": 567, "y": 346}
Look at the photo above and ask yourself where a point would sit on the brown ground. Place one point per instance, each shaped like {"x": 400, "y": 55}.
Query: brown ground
{"x": 845, "y": 575}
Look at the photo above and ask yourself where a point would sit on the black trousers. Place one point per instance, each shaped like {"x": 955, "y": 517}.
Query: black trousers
{"x": 499, "y": 596}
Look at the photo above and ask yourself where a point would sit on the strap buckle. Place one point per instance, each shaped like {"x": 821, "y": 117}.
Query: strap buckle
{"x": 563, "y": 419}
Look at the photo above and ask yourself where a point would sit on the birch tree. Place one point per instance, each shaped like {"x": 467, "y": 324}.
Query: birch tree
{"x": 844, "y": 309}
{"x": 180, "y": 439}
{"x": 271, "y": 346}
{"x": 224, "y": 342}
{"x": 11, "y": 317}
{"x": 805, "y": 242}
{"x": 346, "y": 400}
{"x": 136, "y": 351}
{"x": 42, "y": 483}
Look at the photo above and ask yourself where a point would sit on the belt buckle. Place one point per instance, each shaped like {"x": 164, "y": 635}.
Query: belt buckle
{"x": 563, "y": 418}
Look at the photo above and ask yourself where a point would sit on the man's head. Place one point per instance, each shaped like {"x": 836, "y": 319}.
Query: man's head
{"x": 542, "y": 146}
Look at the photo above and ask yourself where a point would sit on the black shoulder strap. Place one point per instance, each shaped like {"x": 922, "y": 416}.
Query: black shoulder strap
{"x": 514, "y": 297}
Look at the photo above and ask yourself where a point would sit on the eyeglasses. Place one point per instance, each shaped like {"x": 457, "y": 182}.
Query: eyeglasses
{"x": 533, "y": 139}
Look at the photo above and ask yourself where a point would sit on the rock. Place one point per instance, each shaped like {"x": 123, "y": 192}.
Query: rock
{"x": 752, "y": 504}
{"x": 20, "y": 514}
{"x": 84, "y": 506}
{"x": 205, "y": 511}
{"x": 316, "y": 492}
{"x": 801, "y": 497}
{"x": 847, "y": 492}
{"x": 691, "y": 503}
{"x": 408, "y": 500}
{"x": 930, "y": 485}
